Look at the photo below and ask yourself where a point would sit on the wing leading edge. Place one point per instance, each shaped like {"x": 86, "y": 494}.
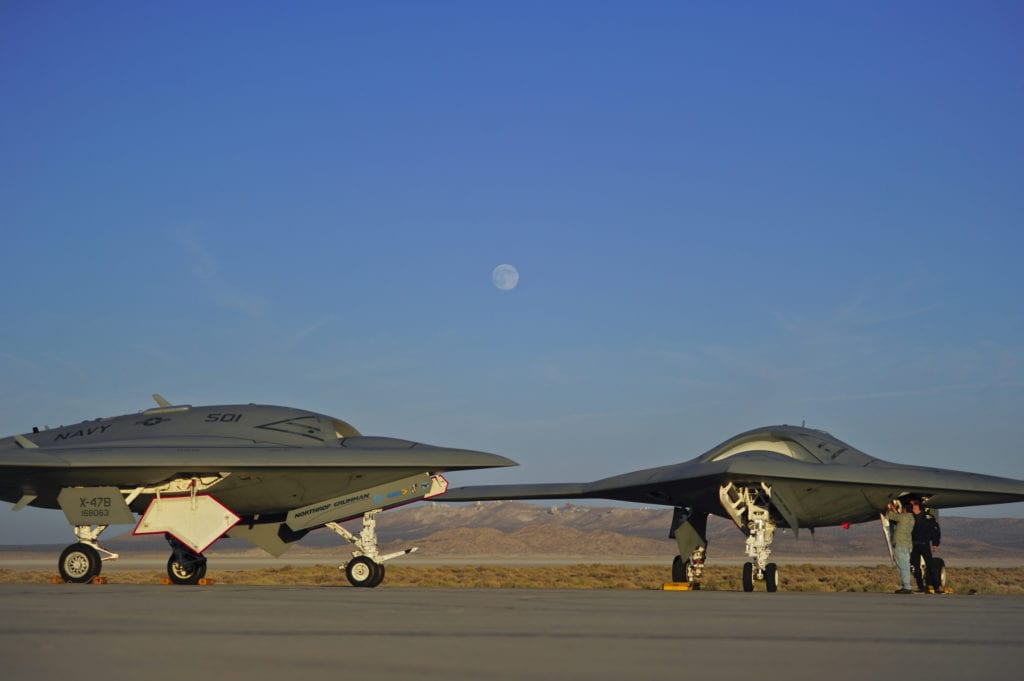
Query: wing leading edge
{"x": 371, "y": 452}
{"x": 814, "y": 488}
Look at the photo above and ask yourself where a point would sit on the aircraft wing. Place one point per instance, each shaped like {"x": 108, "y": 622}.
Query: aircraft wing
{"x": 807, "y": 485}
{"x": 354, "y": 452}
{"x": 42, "y": 472}
{"x": 557, "y": 490}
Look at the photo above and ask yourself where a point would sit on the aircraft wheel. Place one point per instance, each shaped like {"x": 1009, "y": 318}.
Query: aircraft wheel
{"x": 378, "y": 576}
{"x": 679, "y": 570}
{"x": 79, "y": 563}
{"x": 748, "y": 576}
{"x": 186, "y": 572}
{"x": 361, "y": 571}
{"x": 771, "y": 577}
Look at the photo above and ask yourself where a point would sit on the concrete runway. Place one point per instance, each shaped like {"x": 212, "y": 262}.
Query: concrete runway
{"x": 262, "y": 632}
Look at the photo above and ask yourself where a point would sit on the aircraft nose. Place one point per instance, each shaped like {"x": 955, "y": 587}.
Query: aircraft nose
{"x": 473, "y": 458}
{"x": 470, "y": 458}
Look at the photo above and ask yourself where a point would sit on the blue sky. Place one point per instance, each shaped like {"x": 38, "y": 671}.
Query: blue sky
{"x": 724, "y": 215}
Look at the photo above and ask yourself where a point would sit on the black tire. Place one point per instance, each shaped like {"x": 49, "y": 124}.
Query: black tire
{"x": 748, "y": 577}
{"x": 361, "y": 571}
{"x": 186, "y": 572}
{"x": 771, "y": 577}
{"x": 678, "y": 570}
{"x": 378, "y": 577}
{"x": 79, "y": 563}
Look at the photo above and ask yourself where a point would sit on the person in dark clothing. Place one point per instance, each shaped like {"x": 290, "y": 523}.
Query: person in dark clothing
{"x": 926, "y": 534}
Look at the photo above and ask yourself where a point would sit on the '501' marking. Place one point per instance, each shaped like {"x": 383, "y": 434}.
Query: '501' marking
{"x": 223, "y": 418}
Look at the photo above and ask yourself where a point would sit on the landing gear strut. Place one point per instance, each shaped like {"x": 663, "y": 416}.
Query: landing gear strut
{"x": 367, "y": 565}
{"x": 690, "y": 570}
{"x": 80, "y": 562}
{"x": 690, "y": 530}
{"x": 749, "y": 508}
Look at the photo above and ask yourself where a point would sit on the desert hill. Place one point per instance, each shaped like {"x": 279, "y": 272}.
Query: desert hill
{"x": 519, "y": 530}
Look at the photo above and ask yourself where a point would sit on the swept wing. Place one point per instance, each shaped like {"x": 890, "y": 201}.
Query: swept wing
{"x": 764, "y": 478}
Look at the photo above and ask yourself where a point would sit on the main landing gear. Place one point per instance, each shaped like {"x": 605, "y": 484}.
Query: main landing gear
{"x": 366, "y": 568}
{"x": 691, "y": 570}
{"x": 81, "y": 562}
{"x": 690, "y": 530}
{"x": 197, "y": 519}
{"x": 184, "y": 566}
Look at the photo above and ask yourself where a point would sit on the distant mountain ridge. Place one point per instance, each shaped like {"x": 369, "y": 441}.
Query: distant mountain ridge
{"x": 569, "y": 529}
{"x": 521, "y": 530}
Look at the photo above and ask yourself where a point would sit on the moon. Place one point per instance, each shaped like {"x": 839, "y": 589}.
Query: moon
{"x": 505, "y": 277}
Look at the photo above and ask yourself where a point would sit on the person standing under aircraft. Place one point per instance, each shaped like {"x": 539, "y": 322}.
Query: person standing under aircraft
{"x": 925, "y": 536}
{"x": 902, "y": 541}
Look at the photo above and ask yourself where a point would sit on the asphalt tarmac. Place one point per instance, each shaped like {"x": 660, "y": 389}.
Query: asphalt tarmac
{"x": 265, "y": 632}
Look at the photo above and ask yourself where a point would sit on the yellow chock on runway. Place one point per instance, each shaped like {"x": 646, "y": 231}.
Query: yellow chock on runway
{"x": 676, "y": 586}
{"x": 166, "y": 581}
{"x": 205, "y": 582}
{"x": 57, "y": 579}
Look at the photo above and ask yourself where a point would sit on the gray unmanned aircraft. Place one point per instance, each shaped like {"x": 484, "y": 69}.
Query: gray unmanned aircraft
{"x": 267, "y": 474}
{"x": 780, "y": 475}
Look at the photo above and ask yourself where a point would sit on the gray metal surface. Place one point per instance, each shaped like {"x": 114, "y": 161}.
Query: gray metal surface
{"x": 823, "y": 480}
{"x": 153, "y": 632}
{"x": 197, "y": 472}
{"x": 278, "y": 458}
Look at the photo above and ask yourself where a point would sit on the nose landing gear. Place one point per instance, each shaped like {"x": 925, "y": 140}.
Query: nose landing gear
{"x": 366, "y": 568}
{"x": 749, "y": 509}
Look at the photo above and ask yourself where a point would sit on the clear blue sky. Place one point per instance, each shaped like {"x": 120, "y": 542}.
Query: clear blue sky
{"x": 724, "y": 215}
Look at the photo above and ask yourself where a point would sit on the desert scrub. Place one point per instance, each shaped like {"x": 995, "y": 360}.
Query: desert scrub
{"x": 810, "y": 578}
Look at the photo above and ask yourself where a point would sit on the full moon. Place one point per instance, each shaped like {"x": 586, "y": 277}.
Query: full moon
{"x": 505, "y": 277}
